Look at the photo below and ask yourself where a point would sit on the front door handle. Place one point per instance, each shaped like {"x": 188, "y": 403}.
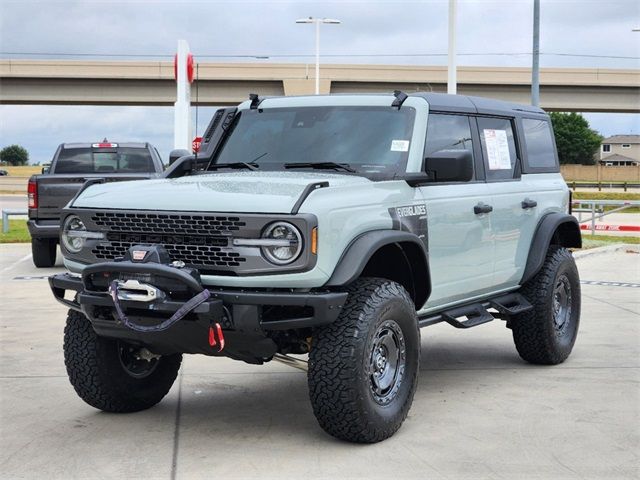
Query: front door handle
{"x": 482, "y": 208}
{"x": 528, "y": 203}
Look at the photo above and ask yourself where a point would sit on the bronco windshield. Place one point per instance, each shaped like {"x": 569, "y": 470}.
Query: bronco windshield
{"x": 370, "y": 141}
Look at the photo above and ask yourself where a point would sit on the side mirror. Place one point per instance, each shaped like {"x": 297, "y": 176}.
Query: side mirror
{"x": 176, "y": 154}
{"x": 450, "y": 166}
{"x": 45, "y": 169}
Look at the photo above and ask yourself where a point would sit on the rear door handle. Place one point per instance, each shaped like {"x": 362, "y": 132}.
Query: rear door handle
{"x": 482, "y": 208}
{"x": 528, "y": 203}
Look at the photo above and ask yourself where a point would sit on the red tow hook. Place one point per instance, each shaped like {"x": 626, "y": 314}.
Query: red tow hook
{"x": 213, "y": 332}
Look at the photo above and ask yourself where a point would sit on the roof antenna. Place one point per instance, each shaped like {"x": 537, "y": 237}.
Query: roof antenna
{"x": 255, "y": 101}
{"x": 400, "y": 98}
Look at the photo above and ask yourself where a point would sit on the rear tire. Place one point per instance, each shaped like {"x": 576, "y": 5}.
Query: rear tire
{"x": 546, "y": 334}
{"x": 106, "y": 373}
{"x": 43, "y": 252}
{"x": 363, "y": 368}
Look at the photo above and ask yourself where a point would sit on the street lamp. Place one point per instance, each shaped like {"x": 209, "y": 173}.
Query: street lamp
{"x": 452, "y": 67}
{"x": 318, "y": 21}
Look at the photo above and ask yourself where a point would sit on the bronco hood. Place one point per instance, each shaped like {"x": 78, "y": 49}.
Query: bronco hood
{"x": 242, "y": 192}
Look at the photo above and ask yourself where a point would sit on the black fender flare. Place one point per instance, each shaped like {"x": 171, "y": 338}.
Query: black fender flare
{"x": 561, "y": 229}
{"x": 360, "y": 251}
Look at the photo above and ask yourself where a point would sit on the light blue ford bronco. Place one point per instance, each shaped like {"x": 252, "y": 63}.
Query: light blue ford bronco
{"x": 334, "y": 226}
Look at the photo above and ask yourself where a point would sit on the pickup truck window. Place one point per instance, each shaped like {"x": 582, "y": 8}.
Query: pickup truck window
{"x": 371, "y": 140}
{"x": 92, "y": 160}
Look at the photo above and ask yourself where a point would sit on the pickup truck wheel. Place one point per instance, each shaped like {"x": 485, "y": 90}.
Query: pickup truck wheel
{"x": 546, "y": 334}
{"x": 111, "y": 375}
{"x": 43, "y": 252}
{"x": 363, "y": 368}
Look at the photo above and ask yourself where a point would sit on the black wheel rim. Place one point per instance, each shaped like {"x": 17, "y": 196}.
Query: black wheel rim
{"x": 137, "y": 362}
{"x": 562, "y": 304}
{"x": 387, "y": 361}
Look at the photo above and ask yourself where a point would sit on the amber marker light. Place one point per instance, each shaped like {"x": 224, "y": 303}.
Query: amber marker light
{"x": 314, "y": 240}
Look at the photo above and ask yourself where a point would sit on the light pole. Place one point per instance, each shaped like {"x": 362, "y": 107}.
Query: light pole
{"x": 535, "y": 63}
{"x": 451, "y": 71}
{"x": 317, "y": 22}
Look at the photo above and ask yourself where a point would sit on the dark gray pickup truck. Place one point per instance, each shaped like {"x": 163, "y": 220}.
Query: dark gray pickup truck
{"x": 72, "y": 165}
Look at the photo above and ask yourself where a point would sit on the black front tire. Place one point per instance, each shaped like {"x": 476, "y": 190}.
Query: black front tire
{"x": 546, "y": 334}
{"x": 96, "y": 369}
{"x": 353, "y": 394}
{"x": 43, "y": 252}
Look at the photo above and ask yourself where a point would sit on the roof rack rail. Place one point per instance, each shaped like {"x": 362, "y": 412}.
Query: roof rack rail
{"x": 400, "y": 98}
{"x": 255, "y": 101}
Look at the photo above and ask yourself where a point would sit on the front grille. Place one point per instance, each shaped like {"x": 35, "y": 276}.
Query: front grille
{"x": 153, "y": 238}
{"x": 167, "y": 223}
{"x": 196, "y": 239}
{"x": 199, "y": 255}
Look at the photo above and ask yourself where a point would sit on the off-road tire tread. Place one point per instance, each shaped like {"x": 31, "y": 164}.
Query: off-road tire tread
{"x": 532, "y": 331}
{"x": 91, "y": 372}
{"x": 43, "y": 252}
{"x": 331, "y": 365}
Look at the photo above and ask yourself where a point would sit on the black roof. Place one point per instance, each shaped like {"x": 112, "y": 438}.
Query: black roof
{"x": 469, "y": 104}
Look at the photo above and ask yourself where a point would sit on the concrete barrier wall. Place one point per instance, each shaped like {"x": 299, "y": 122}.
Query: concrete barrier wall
{"x": 599, "y": 173}
{"x": 11, "y": 184}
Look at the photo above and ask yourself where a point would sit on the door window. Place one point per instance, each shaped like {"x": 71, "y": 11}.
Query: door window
{"x": 498, "y": 148}
{"x": 448, "y": 132}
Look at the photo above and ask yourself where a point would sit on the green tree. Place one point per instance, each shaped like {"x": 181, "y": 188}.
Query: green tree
{"x": 14, "y": 155}
{"x": 576, "y": 141}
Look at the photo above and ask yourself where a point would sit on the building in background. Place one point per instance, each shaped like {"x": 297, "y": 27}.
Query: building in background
{"x": 620, "y": 150}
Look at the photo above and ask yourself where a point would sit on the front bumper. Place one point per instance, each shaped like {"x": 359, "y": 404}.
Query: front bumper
{"x": 245, "y": 315}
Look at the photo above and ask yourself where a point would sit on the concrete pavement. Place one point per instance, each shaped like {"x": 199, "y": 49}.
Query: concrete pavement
{"x": 479, "y": 411}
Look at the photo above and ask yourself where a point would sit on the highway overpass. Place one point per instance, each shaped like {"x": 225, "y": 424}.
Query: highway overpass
{"x": 151, "y": 83}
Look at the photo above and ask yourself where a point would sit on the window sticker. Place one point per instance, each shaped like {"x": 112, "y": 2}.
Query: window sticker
{"x": 497, "y": 149}
{"x": 400, "y": 145}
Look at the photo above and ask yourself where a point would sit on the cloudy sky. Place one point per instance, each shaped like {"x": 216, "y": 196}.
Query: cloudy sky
{"x": 574, "y": 33}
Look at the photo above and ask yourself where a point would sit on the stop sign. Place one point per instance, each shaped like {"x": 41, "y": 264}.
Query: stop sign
{"x": 195, "y": 145}
{"x": 189, "y": 67}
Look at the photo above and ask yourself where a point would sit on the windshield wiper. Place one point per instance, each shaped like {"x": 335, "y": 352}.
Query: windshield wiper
{"x": 249, "y": 166}
{"x": 321, "y": 166}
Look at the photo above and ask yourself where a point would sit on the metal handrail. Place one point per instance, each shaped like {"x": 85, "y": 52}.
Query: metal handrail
{"x": 597, "y": 213}
{"x": 6, "y": 212}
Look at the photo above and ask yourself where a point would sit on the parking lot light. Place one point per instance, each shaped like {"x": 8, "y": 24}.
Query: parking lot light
{"x": 317, "y": 22}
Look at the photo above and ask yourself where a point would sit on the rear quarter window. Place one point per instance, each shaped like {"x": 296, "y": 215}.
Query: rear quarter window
{"x": 539, "y": 146}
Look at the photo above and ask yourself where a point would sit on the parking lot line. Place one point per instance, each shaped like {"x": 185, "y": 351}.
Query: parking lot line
{"x": 14, "y": 264}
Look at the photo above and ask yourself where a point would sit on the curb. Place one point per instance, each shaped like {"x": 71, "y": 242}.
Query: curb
{"x": 606, "y": 249}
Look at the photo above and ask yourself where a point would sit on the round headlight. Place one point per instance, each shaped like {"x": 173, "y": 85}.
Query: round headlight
{"x": 286, "y": 243}
{"x": 71, "y": 237}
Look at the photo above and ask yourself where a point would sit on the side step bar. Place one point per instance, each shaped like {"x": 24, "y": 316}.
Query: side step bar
{"x": 474, "y": 314}
{"x": 510, "y": 304}
{"x": 291, "y": 361}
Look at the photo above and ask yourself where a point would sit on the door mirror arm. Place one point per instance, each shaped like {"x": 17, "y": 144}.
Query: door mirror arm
{"x": 416, "y": 179}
